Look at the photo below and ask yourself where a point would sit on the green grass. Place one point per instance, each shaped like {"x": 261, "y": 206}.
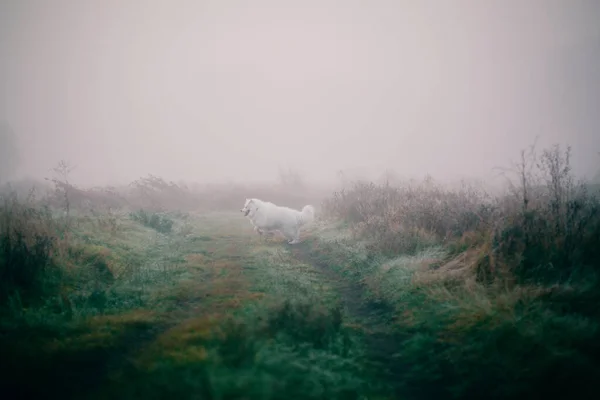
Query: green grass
{"x": 449, "y": 335}
{"x": 211, "y": 310}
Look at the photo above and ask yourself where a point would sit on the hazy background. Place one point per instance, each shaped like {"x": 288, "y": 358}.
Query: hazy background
{"x": 215, "y": 90}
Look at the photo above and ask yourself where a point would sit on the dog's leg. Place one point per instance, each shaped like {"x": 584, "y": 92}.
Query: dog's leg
{"x": 287, "y": 234}
{"x": 296, "y": 237}
{"x": 264, "y": 235}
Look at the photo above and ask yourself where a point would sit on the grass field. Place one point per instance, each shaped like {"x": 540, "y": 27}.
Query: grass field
{"x": 396, "y": 292}
{"x": 212, "y": 311}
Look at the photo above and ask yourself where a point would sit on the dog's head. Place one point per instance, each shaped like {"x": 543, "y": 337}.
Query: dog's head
{"x": 250, "y": 208}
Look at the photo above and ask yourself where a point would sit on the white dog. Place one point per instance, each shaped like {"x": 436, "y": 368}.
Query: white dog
{"x": 268, "y": 218}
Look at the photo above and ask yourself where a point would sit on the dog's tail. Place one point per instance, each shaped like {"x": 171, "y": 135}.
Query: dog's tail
{"x": 308, "y": 214}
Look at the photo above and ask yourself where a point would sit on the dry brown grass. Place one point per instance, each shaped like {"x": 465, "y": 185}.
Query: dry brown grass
{"x": 181, "y": 344}
{"x": 410, "y": 216}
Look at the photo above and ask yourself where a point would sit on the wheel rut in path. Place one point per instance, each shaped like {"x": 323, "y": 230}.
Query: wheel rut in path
{"x": 380, "y": 341}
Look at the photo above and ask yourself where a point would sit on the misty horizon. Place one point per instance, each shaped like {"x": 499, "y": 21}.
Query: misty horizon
{"x": 214, "y": 91}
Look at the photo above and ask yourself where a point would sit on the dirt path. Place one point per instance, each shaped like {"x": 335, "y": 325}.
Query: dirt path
{"x": 376, "y": 318}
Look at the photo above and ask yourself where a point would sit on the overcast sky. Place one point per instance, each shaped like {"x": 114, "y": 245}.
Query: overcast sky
{"x": 213, "y": 90}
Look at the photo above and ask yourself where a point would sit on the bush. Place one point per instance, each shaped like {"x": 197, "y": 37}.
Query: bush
{"x": 27, "y": 244}
{"x": 552, "y": 230}
{"x": 545, "y": 230}
{"x": 159, "y": 222}
{"x": 510, "y": 308}
{"x": 410, "y": 217}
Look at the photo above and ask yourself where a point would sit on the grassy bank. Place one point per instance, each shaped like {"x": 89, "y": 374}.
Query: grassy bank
{"x": 404, "y": 290}
{"x": 207, "y": 310}
{"x": 493, "y": 297}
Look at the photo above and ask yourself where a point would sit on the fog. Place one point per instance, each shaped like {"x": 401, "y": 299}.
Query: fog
{"x": 232, "y": 90}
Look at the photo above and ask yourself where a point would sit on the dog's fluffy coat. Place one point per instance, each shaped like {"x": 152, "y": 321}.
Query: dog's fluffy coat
{"x": 268, "y": 217}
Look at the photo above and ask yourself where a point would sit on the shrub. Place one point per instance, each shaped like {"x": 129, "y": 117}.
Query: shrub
{"x": 155, "y": 194}
{"x": 552, "y": 229}
{"x": 511, "y": 309}
{"x": 545, "y": 230}
{"x": 410, "y": 217}
{"x": 159, "y": 222}
{"x": 27, "y": 244}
